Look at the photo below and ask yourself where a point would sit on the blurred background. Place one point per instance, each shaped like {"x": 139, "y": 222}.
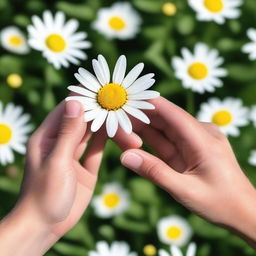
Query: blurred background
{"x": 160, "y": 38}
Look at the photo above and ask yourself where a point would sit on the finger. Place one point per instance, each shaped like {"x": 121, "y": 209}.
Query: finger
{"x": 127, "y": 141}
{"x": 153, "y": 169}
{"x": 213, "y": 129}
{"x": 72, "y": 130}
{"x": 83, "y": 145}
{"x": 94, "y": 154}
{"x": 178, "y": 125}
{"x": 164, "y": 148}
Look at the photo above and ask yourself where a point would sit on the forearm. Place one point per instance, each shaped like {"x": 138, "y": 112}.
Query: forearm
{"x": 22, "y": 233}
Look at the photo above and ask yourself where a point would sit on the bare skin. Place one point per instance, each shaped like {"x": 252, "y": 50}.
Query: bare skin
{"x": 197, "y": 166}
{"x": 57, "y": 188}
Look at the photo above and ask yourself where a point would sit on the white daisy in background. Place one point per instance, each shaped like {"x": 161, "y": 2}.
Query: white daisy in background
{"x": 228, "y": 114}
{"x": 58, "y": 40}
{"x": 174, "y": 230}
{"x": 13, "y": 40}
{"x": 250, "y": 48}
{"x": 216, "y": 10}
{"x": 115, "y": 249}
{"x": 252, "y": 158}
{"x": 13, "y": 132}
{"x": 176, "y": 251}
{"x": 253, "y": 115}
{"x": 109, "y": 100}
{"x": 199, "y": 71}
{"x": 113, "y": 200}
{"x": 118, "y": 21}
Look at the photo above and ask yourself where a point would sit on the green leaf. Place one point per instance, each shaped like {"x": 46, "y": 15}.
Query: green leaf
{"x": 185, "y": 24}
{"x": 70, "y": 249}
{"x": 143, "y": 191}
{"x": 207, "y": 230}
{"x": 150, "y": 6}
{"x": 10, "y": 64}
{"x": 132, "y": 226}
{"x": 49, "y": 101}
{"x": 242, "y": 72}
{"x": 79, "y": 11}
{"x": 81, "y": 233}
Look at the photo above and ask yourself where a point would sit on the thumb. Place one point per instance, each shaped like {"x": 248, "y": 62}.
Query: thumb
{"x": 72, "y": 130}
{"x": 153, "y": 169}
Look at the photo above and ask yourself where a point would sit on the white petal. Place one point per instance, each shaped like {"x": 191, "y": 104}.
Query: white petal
{"x": 140, "y": 104}
{"x": 119, "y": 71}
{"x": 99, "y": 72}
{"x": 88, "y": 80}
{"x": 124, "y": 121}
{"x": 104, "y": 65}
{"x": 132, "y": 75}
{"x": 141, "y": 84}
{"x": 176, "y": 251}
{"x": 191, "y": 251}
{"x": 137, "y": 114}
{"x": 111, "y": 124}
{"x": 82, "y": 91}
{"x": 99, "y": 120}
{"x": 20, "y": 148}
{"x": 145, "y": 95}
{"x": 91, "y": 114}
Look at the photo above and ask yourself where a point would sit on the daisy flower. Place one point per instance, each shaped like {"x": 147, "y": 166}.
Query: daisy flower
{"x": 252, "y": 158}
{"x": 118, "y": 21}
{"x": 13, "y": 132}
{"x": 200, "y": 70}
{"x": 116, "y": 248}
{"x": 110, "y": 100}
{"x": 253, "y": 115}
{"x": 229, "y": 114}
{"x": 176, "y": 251}
{"x": 13, "y": 40}
{"x": 113, "y": 200}
{"x": 58, "y": 40}
{"x": 250, "y": 48}
{"x": 216, "y": 10}
{"x": 174, "y": 230}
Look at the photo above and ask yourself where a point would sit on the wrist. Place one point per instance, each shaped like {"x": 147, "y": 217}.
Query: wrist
{"x": 244, "y": 221}
{"x": 24, "y": 231}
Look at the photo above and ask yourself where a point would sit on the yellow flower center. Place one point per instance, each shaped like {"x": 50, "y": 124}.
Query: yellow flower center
{"x": 55, "y": 42}
{"x": 111, "y": 200}
{"x": 222, "y": 118}
{"x": 14, "y": 80}
{"x": 5, "y": 134}
{"x": 169, "y": 9}
{"x": 15, "y": 41}
{"x": 117, "y": 23}
{"x": 214, "y": 5}
{"x": 149, "y": 250}
{"x": 198, "y": 70}
{"x": 174, "y": 232}
{"x": 112, "y": 96}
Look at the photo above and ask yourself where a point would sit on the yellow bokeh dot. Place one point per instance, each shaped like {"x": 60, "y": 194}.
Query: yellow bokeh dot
{"x": 169, "y": 9}
{"x": 149, "y": 250}
{"x": 14, "y": 80}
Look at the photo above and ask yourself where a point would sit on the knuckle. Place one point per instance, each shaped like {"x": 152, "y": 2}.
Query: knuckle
{"x": 151, "y": 170}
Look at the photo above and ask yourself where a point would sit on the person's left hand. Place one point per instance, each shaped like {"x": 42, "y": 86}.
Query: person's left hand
{"x": 57, "y": 188}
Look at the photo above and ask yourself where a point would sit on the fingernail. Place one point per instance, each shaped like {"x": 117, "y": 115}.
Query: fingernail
{"x": 72, "y": 109}
{"x": 131, "y": 160}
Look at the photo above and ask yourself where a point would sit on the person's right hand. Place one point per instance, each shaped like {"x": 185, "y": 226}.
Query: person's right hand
{"x": 197, "y": 166}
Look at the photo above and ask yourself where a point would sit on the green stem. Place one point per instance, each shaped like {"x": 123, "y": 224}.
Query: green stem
{"x": 191, "y": 102}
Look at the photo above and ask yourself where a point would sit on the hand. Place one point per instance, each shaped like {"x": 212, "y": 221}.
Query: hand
{"x": 197, "y": 166}
{"x": 56, "y": 189}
